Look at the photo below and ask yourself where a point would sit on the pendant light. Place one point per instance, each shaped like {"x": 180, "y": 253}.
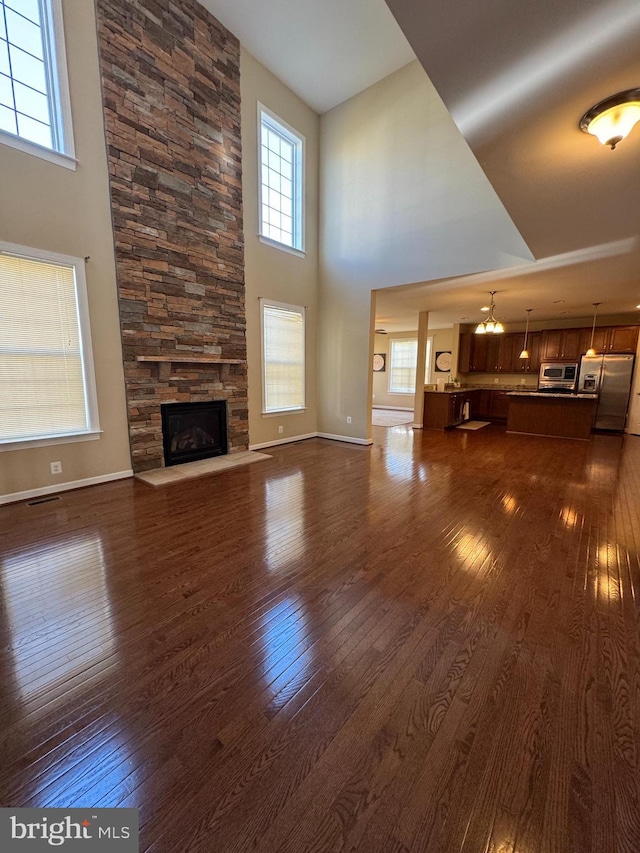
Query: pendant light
{"x": 525, "y": 351}
{"x": 490, "y": 326}
{"x": 591, "y": 350}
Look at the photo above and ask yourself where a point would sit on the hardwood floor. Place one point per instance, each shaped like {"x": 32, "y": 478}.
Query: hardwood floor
{"x": 427, "y": 645}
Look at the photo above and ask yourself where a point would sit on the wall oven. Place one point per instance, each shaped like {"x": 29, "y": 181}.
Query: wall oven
{"x": 558, "y": 377}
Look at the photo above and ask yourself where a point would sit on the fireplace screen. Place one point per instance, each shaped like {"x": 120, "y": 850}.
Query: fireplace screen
{"x": 193, "y": 431}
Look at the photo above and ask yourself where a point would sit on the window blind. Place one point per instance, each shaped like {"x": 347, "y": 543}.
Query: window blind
{"x": 42, "y": 381}
{"x": 402, "y": 373}
{"x": 283, "y": 357}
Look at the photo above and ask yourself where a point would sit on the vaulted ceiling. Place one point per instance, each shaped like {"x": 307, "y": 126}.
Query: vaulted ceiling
{"x": 516, "y": 78}
{"x": 529, "y": 72}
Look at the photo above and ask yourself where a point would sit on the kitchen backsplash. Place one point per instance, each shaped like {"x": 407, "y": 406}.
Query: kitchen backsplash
{"x": 511, "y": 381}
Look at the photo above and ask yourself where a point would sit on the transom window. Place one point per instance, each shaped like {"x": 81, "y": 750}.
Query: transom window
{"x": 47, "y": 388}
{"x": 281, "y": 170}
{"x": 33, "y": 87}
{"x": 402, "y": 370}
{"x": 283, "y": 357}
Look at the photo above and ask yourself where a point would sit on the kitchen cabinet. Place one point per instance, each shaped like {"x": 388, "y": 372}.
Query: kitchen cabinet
{"x": 499, "y": 353}
{"x": 505, "y": 353}
{"x": 478, "y": 359}
{"x": 518, "y": 364}
{"x": 600, "y": 339}
{"x": 622, "y": 339}
{"x": 551, "y": 345}
{"x": 481, "y": 404}
{"x": 531, "y": 364}
{"x": 499, "y": 405}
{"x": 534, "y": 345}
{"x": 609, "y": 339}
{"x": 464, "y": 352}
{"x": 561, "y": 344}
{"x": 442, "y": 409}
{"x": 493, "y": 353}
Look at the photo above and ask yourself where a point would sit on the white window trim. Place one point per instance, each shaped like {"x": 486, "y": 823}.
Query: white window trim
{"x": 91, "y": 399}
{"x": 270, "y": 413}
{"x": 389, "y": 391}
{"x": 299, "y": 185}
{"x": 59, "y": 91}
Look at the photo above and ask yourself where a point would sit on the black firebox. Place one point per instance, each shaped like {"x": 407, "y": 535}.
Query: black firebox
{"x": 193, "y": 431}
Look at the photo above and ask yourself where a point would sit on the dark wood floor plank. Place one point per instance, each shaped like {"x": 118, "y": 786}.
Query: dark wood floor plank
{"x": 431, "y": 644}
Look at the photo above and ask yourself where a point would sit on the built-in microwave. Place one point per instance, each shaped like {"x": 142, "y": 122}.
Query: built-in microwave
{"x": 557, "y": 377}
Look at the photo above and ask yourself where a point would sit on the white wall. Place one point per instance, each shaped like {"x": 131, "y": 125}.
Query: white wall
{"x": 402, "y": 199}
{"x": 45, "y": 206}
{"x": 271, "y": 272}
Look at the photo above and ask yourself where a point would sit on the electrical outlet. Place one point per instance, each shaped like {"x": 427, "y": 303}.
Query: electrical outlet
{"x": 280, "y": 430}
{"x": 349, "y": 419}
{"x": 522, "y": 380}
{"x": 56, "y": 467}
{"x": 496, "y": 380}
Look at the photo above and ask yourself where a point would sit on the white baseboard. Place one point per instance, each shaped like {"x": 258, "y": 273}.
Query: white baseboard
{"x": 417, "y": 426}
{"x": 287, "y": 440}
{"x": 350, "y": 439}
{"x": 394, "y": 408}
{"x": 64, "y": 487}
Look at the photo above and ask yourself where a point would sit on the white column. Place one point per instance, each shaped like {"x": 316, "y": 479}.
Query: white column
{"x": 418, "y": 400}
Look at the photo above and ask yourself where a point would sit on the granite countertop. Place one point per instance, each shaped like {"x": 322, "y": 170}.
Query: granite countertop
{"x": 555, "y": 396}
{"x": 467, "y": 388}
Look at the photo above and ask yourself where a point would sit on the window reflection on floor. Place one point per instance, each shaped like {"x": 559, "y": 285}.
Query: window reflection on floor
{"x": 284, "y": 501}
{"x": 59, "y": 615}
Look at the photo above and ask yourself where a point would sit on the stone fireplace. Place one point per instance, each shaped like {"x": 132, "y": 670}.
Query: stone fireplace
{"x": 171, "y": 84}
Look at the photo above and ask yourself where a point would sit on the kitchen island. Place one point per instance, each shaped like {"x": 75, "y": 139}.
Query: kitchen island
{"x": 555, "y": 415}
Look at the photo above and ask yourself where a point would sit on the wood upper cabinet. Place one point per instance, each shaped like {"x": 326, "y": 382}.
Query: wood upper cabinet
{"x": 500, "y": 353}
{"x": 505, "y": 353}
{"x": 534, "y": 345}
{"x": 622, "y": 339}
{"x": 493, "y": 352}
{"x": 478, "y": 353}
{"x": 561, "y": 344}
{"x": 551, "y": 345}
{"x": 571, "y": 344}
{"x": 519, "y": 365}
{"x": 464, "y": 352}
{"x": 600, "y": 339}
{"x": 610, "y": 339}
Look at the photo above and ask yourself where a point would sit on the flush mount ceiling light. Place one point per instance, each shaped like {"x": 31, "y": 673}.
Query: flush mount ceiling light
{"x": 613, "y": 119}
{"x": 490, "y": 326}
{"x": 591, "y": 350}
{"x": 525, "y": 351}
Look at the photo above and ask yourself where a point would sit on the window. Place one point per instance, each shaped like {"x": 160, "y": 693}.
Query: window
{"x": 283, "y": 341}
{"x": 281, "y": 171}
{"x": 34, "y": 99}
{"x": 402, "y": 372}
{"x": 47, "y": 390}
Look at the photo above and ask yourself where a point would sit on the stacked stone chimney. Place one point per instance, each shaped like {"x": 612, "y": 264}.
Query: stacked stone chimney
{"x": 171, "y": 84}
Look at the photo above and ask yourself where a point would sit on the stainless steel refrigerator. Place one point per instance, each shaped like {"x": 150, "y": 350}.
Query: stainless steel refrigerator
{"x": 609, "y": 377}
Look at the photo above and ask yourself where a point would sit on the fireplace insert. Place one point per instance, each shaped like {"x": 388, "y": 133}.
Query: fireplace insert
{"x": 193, "y": 431}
